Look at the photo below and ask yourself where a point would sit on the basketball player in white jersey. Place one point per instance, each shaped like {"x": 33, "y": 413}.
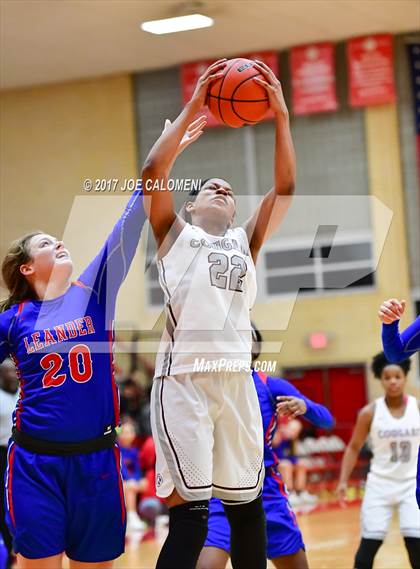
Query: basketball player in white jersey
{"x": 392, "y": 423}
{"x": 207, "y": 426}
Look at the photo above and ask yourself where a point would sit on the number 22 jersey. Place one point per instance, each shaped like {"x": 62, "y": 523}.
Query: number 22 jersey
{"x": 209, "y": 284}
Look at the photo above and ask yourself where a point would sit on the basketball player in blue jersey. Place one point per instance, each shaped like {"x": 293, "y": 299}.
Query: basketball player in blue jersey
{"x": 285, "y": 546}
{"x": 64, "y": 490}
{"x": 207, "y": 271}
{"x": 63, "y": 484}
{"x": 398, "y": 346}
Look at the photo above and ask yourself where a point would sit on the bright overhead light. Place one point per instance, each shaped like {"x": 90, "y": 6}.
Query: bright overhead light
{"x": 178, "y": 24}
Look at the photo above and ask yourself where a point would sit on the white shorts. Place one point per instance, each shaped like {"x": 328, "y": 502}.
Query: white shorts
{"x": 382, "y": 495}
{"x": 208, "y": 433}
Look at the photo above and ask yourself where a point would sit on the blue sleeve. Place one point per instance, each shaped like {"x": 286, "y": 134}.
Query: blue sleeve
{"x": 400, "y": 346}
{"x": 316, "y": 414}
{"x": 107, "y": 271}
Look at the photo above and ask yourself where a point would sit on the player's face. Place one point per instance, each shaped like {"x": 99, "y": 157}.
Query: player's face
{"x": 127, "y": 435}
{"x": 216, "y": 198}
{"x": 47, "y": 254}
{"x": 393, "y": 380}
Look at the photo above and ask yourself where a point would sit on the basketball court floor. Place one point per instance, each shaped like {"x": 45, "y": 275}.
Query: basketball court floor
{"x": 331, "y": 538}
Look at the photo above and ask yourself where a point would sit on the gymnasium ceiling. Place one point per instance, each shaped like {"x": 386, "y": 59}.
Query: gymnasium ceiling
{"x": 48, "y": 41}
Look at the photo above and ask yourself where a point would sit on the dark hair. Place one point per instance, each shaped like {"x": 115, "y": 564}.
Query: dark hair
{"x": 17, "y": 285}
{"x": 192, "y": 196}
{"x": 256, "y": 339}
{"x": 379, "y": 362}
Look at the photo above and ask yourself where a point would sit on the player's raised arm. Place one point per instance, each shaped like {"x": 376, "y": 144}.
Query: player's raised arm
{"x": 358, "y": 439}
{"x": 105, "y": 274}
{"x": 398, "y": 346}
{"x": 274, "y": 205}
{"x": 158, "y": 164}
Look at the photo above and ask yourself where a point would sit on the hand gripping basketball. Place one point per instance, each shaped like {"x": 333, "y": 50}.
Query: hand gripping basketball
{"x": 211, "y": 74}
{"x": 273, "y": 87}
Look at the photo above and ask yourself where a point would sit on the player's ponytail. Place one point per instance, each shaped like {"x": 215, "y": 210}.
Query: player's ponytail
{"x": 17, "y": 285}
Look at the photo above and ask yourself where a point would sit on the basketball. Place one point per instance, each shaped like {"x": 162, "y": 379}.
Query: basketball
{"x": 235, "y": 99}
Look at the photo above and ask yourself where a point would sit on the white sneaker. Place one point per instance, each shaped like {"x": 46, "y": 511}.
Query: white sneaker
{"x": 134, "y": 523}
{"x": 294, "y": 499}
{"x": 307, "y": 498}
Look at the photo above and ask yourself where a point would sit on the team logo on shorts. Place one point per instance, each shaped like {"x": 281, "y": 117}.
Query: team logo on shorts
{"x": 159, "y": 479}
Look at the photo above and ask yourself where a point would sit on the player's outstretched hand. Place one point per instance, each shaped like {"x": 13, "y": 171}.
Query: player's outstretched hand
{"x": 213, "y": 72}
{"x": 193, "y": 132}
{"x": 289, "y": 406}
{"x": 273, "y": 87}
{"x": 391, "y": 310}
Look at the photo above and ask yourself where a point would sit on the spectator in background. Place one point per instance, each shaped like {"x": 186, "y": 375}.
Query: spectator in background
{"x": 291, "y": 467}
{"x": 150, "y": 505}
{"x": 8, "y": 399}
{"x": 131, "y": 399}
{"x": 133, "y": 480}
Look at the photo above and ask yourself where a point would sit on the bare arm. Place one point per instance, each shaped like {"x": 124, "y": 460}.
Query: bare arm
{"x": 158, "y": 201}
{"x": 275, "y": 203}
{"x": 358, "y": 439}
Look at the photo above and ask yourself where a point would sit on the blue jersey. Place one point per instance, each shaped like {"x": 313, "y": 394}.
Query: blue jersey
{"x": 130, "y": 464}
{"x": 63, "y": 348}
{"x": 268, "y": 388}
{"x": 400, "y": 346}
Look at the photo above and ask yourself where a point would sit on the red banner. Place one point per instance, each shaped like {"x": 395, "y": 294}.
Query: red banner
{"x": 190, "y": 73}
{"x": 313, "y": 78}
{"x": 371, "y": 72}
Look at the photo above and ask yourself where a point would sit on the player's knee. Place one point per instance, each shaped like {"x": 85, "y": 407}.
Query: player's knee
{"x": 366, "y": 553}
{"x": 195, "y": 512}
{"x": 245, "y": 511}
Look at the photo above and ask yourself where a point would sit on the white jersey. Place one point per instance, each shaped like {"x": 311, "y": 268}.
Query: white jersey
{"x": 209, "y": 283}
{"x": 395, "y": 441}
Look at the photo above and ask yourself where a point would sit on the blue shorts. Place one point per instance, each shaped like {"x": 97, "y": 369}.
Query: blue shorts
{"x": 73, "y": 504}
{"x": 283, "y": 533}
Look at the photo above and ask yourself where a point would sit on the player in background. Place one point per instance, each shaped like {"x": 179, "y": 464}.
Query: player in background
{"x": 398, "y": 346}
{"x": 207, "y": 272}
{"x": 285, "y": 546}
{"x": 133, "y": 479}
{"x": 292, "y": 468}
{"x": 392, "y": 424}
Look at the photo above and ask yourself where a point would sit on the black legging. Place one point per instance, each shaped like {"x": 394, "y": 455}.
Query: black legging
{"x": 3, "y": 527}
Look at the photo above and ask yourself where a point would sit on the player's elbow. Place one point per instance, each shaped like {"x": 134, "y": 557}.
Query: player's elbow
{"x": 287, "y": 189}
{"x": 149, "y": 174}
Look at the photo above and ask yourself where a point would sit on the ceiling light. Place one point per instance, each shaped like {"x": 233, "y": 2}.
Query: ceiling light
{"x": 178, "y": 24}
